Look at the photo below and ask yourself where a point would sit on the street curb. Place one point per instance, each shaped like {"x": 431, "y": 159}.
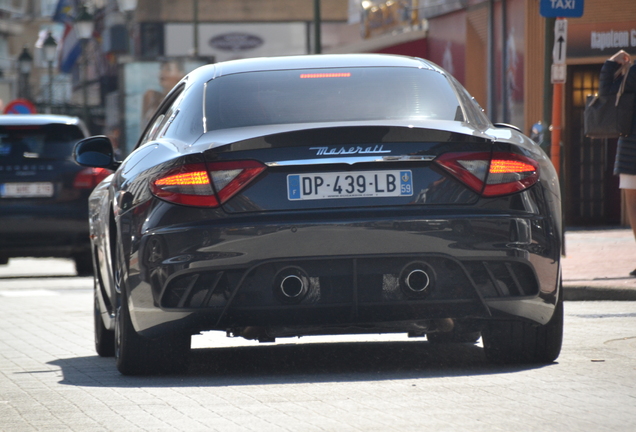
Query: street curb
{"x": 590, "y": 293}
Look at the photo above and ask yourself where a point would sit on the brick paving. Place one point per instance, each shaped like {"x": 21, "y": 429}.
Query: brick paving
{"x": 597, "y": 263}
{"x": 52, "y": 380}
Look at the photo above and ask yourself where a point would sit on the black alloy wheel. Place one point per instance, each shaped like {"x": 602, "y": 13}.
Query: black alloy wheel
{"x": 137, "y": 355}
{"x": 104, "y": 338}
{"x": 83, "y": 264}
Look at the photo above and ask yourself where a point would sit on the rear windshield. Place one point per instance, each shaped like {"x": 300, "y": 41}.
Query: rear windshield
{"x": 326, "y": 95}
{"x": 51, "y": 142}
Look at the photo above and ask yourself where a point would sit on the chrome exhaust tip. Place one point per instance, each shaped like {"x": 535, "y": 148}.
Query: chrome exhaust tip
{"x": 291, "y": 285}
{"x": 417, "y": 279}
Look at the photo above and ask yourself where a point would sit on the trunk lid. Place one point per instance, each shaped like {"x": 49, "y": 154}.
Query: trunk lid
{"x": 349, "y": 167}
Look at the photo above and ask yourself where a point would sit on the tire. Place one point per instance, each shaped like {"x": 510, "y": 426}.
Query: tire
{"x": 453, "y": 337}
{"x": 516, "y": 342}
{"x": 104, "y": 338}
{"x": 137, "y": 355}
{"x": 84, "y": 264}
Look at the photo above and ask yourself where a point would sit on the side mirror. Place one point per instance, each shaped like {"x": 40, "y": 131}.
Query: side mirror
{"x": 96, "y": 152}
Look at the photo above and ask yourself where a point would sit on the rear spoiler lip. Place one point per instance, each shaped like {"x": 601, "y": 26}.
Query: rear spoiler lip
{"x": 346, "y": 134}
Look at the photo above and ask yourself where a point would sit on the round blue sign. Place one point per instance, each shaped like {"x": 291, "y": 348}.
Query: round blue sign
{"x": 20, "y": 106}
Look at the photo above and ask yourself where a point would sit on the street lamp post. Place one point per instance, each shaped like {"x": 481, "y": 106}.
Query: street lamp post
{"x": 25, "y": 64}
{"x": 317, "y": 28}
{"x": 195, "y": 29}
{"x": 49, "y": 48}
{"x": 127, "y": 7}
{"x": 84, "y": 26}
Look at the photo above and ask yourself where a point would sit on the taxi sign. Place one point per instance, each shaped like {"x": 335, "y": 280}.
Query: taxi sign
{"x": 561, "y": 8}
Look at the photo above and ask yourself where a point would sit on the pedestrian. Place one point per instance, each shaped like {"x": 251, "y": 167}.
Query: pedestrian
{"x": 612, "y": 74}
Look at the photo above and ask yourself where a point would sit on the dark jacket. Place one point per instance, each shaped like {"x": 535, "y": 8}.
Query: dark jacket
{"x": 625, "y": 162}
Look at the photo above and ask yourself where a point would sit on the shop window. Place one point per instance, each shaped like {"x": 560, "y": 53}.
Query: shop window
{"x": 584, "y": 83}
{"x": 151, "y": 39}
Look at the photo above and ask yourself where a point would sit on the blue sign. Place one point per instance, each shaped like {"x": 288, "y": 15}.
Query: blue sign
{"x": 561, "y": 8}
{"x": 293, "y": 187}
{"x": 20, "y": 106}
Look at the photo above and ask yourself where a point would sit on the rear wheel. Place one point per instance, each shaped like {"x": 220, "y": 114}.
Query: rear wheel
{"x": 104, "y": 338}
{"x": 523, "y": 342}
{"x": 83, "y": 264}
{"x": 137, "y": 355}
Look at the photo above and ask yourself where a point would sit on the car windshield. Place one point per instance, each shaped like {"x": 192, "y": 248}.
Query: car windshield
{"x": 52, "y": 142}
{"x": 326, "y": 95}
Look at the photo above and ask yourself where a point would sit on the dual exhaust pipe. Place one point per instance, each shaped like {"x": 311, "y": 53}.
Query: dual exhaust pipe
{"x": 291, "y": 284}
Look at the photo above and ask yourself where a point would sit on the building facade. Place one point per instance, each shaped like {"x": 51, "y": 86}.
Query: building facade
{"x": 499, "y": 49}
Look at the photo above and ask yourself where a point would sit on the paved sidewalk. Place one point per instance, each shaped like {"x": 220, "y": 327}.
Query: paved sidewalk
{"x": 597, "y": 263}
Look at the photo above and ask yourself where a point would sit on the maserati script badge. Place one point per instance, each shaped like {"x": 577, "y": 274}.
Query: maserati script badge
{"x": 326, "y": 151}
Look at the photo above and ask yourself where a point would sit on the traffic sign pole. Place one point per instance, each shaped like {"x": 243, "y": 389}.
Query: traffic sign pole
{"x": 558, "y": 79}
{"x": 557, "y": 106}
{"x": 559, "y": 9}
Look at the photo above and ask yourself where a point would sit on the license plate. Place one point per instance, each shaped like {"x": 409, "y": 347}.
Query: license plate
{"x": 26, "y": 190}
{"x": 359, "y": 184}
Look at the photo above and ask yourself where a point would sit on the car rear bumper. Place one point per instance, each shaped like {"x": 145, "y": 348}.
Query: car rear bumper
{"x": 44, "y": 236}
{"x": 208, "y": 277}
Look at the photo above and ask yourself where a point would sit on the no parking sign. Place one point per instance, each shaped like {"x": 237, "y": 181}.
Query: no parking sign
{"x": 20, "y": 106}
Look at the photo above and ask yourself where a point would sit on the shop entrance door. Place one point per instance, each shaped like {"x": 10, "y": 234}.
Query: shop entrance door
{"x": 591, "y": 190}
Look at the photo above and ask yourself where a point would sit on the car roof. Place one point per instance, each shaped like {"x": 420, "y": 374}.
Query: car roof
{"x": 261, "y": 64}
{"x": 37, "y": 119}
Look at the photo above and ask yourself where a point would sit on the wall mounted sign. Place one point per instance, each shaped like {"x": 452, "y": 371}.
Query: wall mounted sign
{"x": 230, "y": 41}
{"x": 235, "y": 42}
{"x": 600, "y": 39}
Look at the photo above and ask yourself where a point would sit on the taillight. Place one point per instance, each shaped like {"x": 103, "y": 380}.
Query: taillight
{"x": 205, "y": 185}
{"x": 499, "y": 173}
{"x": 88, "y": 178}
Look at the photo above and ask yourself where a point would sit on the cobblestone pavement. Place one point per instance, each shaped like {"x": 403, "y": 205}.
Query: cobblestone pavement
{"x": 52, "y": 380}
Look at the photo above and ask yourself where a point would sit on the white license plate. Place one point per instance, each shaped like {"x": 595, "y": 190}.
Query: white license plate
{"x": 26, "y": 190}
{"x": 358, "y": 184}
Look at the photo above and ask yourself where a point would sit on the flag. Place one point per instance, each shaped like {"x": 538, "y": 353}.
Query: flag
{"x": 70, "y": 48}
{"x": 64, "y": 12}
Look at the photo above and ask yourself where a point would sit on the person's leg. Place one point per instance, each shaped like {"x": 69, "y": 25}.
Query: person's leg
{"x": 630, "y": 206}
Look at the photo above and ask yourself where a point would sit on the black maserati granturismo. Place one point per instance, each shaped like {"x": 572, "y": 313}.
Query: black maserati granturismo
{"x": 322, "y": 195}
